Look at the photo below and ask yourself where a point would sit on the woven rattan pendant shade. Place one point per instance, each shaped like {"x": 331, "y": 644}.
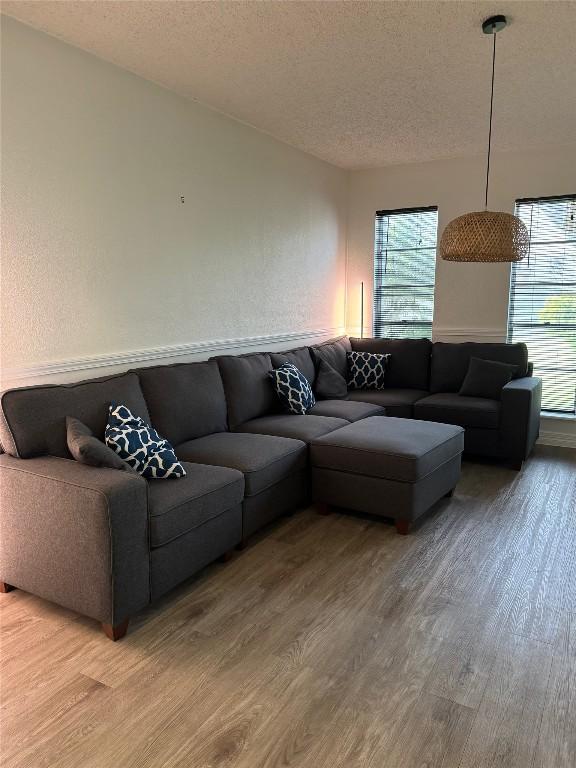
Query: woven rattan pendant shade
{"x": 485, "y": 236}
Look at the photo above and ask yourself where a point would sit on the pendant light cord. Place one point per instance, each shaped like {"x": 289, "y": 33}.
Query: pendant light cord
{"x": 490, "y": 128}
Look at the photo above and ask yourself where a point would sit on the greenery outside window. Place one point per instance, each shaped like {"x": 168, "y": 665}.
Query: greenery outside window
{"x": 542, "y": 310}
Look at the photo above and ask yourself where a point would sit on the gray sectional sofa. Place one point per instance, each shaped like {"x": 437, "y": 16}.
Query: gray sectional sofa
{"x": 105, "y": 543}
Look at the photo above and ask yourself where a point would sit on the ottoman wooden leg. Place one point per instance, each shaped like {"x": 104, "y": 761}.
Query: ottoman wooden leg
{"x": 116, "y": 632}
{"x": 323, "y": 508}
{"x": 6, "y": 587}
{"x": 403, "y": 527}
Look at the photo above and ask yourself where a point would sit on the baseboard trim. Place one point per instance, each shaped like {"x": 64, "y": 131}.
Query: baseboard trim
{"x": 197, "y": 349}
{"x": 559, "y": 439}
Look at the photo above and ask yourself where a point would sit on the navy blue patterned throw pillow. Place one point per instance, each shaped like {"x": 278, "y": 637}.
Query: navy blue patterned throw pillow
{"x": 140, "y": 445}
{"x": 293, "y": 389}
{"x": 366, "y": 370}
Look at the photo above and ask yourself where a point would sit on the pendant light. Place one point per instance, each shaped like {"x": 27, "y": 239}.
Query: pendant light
{"x": 486, "y": 235}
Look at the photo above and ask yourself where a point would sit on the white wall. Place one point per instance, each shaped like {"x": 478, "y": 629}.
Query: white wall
{"x": 471, "y": 300}
{"x": 101, "y": 259}
{"x": 103, "y": 266}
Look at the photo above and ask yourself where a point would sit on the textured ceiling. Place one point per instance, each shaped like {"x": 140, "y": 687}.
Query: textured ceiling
{"x": 358, "y": 84}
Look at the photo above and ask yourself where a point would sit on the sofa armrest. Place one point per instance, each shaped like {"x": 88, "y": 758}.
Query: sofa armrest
{"x": 520, "y": 421}
{"x": 75, "y": 535}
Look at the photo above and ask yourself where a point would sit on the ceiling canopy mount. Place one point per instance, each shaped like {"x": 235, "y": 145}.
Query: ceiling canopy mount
{"x": 494, "y": 24}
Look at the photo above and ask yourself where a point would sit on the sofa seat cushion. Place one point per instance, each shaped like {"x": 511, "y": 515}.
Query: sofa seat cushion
{"x": 264, "y": 460}
{"x": 397, "y": 402}
{"x": 451, "y": 408}
{"x": 405, "y": 450}
{"x": 304, "y": 428}
{"x": 346, "y": 409}
{"x": 177, "y": 507}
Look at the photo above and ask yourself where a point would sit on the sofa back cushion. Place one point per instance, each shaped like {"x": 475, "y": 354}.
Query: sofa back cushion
{"x": 450, "y": 361}
{"x": 185, "y": 400}
{"x": 409, "y": 364}
{"x": 248, "y": 388}
{"x": 33, "y": 419}
{"x": 334, "y": 353}
{"x": 300, "y": 357}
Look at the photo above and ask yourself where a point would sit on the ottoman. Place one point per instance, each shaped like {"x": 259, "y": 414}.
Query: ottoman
{"x": 391, "y": 467}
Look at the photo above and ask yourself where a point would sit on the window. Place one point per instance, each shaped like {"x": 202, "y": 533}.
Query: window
{"x": 543, "y": 298}
{"x": 404, "y": 269}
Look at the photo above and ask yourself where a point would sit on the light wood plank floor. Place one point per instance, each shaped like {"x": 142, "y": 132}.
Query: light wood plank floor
{"x": 331, "y": 642}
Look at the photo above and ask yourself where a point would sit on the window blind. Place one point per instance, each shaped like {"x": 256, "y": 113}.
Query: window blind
{"x": 404, "y": 271}
{"x": 542, "y": 309}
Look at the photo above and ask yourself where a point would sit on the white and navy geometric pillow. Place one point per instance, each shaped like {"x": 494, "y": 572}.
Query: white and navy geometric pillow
{"x": 293, "y": 389}
{"x": 140, "y": 445}
{"x": 366, "y": 370}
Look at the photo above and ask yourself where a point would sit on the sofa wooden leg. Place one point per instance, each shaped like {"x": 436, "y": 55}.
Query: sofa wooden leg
{"x": 241, "y": 546}
{"x": 323, "y": 508}
{"x": 403, "y": 527}
{"x": 6, "y": 587}
{"x": 116, "y": 631}
{"x": 449, "y": 494}
{"x": 226, "y": 557}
